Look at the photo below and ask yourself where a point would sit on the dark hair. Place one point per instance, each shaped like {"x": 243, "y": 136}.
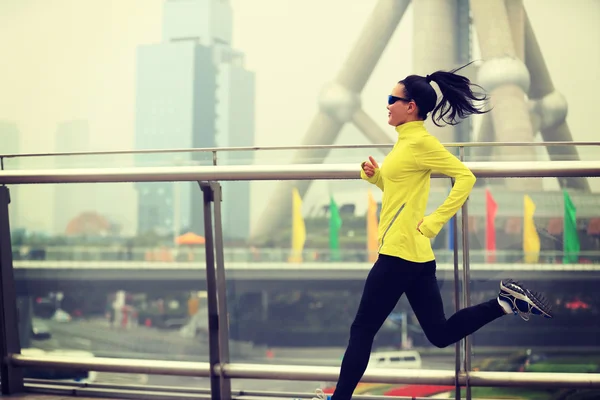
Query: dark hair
{"x": 457, "y": 96}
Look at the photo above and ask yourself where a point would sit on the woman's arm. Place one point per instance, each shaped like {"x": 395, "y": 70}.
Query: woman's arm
{"x": 432, "y": 155}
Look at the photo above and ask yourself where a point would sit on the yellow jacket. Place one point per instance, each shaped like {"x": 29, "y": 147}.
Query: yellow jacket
{"x": 404, "y": 177}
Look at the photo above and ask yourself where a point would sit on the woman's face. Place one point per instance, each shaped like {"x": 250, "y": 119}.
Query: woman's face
{"x": 402, "y": 109}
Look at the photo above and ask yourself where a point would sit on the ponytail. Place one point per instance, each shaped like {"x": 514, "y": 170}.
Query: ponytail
{"x": 457, "y": 96}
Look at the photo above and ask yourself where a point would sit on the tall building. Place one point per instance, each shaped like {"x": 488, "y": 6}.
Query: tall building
{"x": 192, "y": 91}
{"x": 71, "y": 200}
{"x": 9, "y": 144}
{"x": 235, "y": 128}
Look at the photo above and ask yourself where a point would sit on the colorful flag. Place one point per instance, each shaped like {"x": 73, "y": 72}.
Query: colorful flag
{"x": 298, "y": 228}
{"x": 571, "y": 244}
{"x": 490, "y": 228}
{"x": 531, "y": 239}
{"x": 335, "y": 224}
{"x": 372, "y": 229}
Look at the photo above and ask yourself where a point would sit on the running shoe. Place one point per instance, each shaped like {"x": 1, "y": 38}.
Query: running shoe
{"x": 520, "y": 300}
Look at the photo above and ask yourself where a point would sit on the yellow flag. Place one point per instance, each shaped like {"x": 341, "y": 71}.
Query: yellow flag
{"x": 298, "y": 228}
{"x": 372, "y": 229}
{"x": 531, "y": 240}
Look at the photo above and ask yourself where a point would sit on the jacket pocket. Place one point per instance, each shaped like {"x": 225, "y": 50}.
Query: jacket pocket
{"x": 390, "y": 224}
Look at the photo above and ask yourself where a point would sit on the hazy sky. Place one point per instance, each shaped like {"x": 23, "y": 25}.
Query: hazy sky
{"x": 68, "y": 59}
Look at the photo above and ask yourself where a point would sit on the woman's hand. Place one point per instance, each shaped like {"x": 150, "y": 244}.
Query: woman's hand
{"x": 370, "y": 166}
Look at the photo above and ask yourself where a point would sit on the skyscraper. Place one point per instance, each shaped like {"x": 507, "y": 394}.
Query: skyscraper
{"x": 235, "y": 128}
{"x": 192, "y": 90}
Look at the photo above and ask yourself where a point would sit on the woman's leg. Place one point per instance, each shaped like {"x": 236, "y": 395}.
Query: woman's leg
{"x": 387, "y": 281}
{"x": 426, "y": 302}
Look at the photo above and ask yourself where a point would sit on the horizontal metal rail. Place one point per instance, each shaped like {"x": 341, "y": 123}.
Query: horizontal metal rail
{"x": 280, "y": 266}
{"x": 153, "y": 393}
{"x": 509, "y": 169}
{"x": 297, "y": 147}
{"x": 317, "y": 373}
{"x": 84, "y": 388}
{"x": 313, "y": 373}
{"x": 118, "y": 393}
{"x": 122, "y": 365}
{"x": 541, "y": 380}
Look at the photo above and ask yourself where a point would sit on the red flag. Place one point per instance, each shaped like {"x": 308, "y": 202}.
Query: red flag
{"x": 490, "y": 230}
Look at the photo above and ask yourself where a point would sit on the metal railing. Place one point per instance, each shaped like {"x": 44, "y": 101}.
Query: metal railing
{"x": 219, "y": 369}
{"x": 216, "y": 150}
{"x": 46, "y": 254}
{"x": 312, "y": 373}
{"x": 508, "y": 169}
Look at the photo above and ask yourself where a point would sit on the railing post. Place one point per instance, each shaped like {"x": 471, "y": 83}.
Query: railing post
{"x": 11, "y": 377}
{"x": 221, "y": 284}
{"x": 216, "y": 292}
{"x": 466, "y": 283}
{"x": 457, "y": 347}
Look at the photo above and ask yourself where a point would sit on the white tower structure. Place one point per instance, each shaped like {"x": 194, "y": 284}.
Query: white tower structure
{"x": 513, "y": 72}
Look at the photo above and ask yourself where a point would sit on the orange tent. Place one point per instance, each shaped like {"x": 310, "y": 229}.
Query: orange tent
{"x": 190, "y": 238}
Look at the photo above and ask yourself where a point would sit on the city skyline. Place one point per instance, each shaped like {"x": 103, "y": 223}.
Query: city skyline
{"x": 90, "y": 75}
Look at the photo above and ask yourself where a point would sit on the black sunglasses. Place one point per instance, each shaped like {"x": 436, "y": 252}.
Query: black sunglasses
{"x": 393, "y": 99}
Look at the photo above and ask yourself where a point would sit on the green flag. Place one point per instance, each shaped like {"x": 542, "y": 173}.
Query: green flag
{"x": 335, "y": 223}
{"x": 571, "y": 245}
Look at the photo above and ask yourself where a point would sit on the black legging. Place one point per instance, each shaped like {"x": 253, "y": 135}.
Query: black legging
{"x": 389, "y": 278}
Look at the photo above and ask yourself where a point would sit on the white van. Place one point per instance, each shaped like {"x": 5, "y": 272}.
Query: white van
{"x": 395, "y": 359}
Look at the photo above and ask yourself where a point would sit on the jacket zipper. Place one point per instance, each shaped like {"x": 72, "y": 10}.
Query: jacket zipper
{"x": 390, "y": 225}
